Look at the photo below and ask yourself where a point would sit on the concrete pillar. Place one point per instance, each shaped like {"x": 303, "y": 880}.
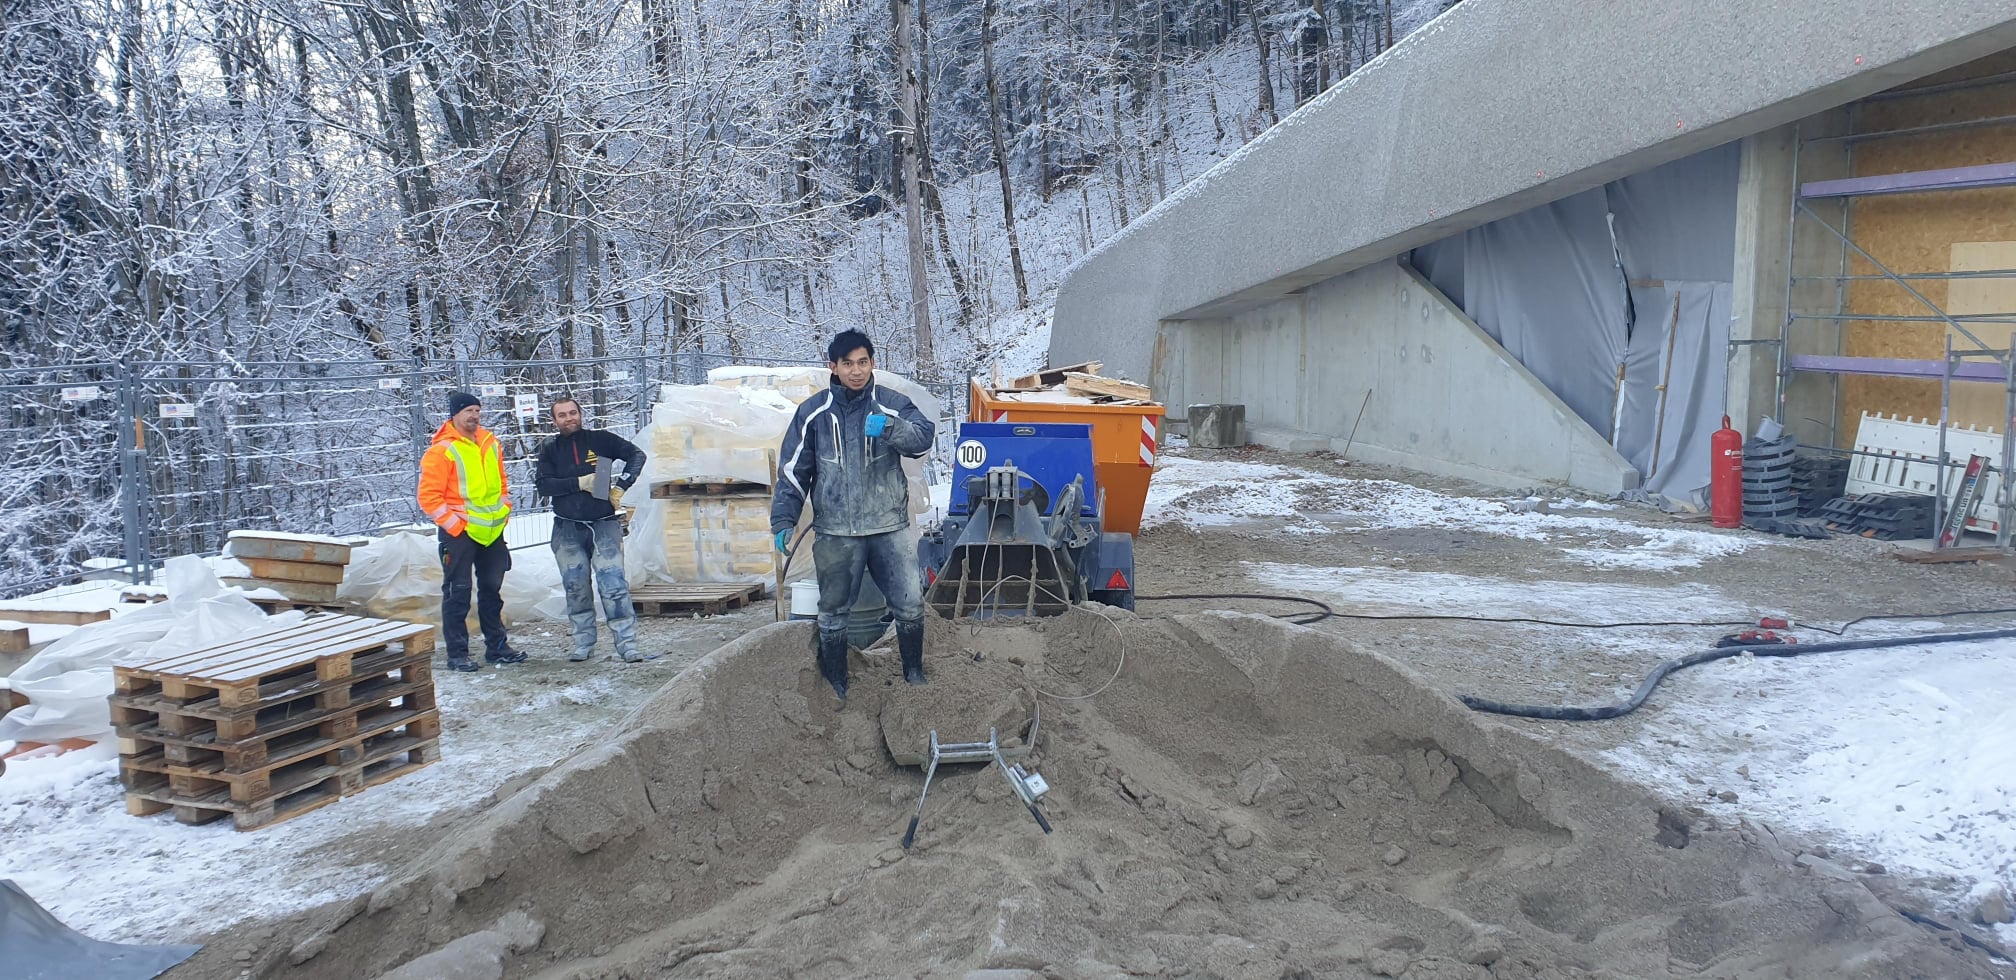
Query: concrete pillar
{"x": 1773, "y": 162}
{"x": 1757, "y": 306}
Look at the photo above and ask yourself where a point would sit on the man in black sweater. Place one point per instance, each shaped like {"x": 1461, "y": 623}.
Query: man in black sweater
{"x": 575, "y": 469}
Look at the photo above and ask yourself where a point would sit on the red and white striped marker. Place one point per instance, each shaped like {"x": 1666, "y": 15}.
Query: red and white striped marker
{"x": 1147, "y": 440}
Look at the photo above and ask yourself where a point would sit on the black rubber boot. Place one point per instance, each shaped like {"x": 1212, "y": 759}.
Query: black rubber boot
{"x": 833, "y": 661}
{"x": 506, "y": 654}
{"x": 910, "y": 645}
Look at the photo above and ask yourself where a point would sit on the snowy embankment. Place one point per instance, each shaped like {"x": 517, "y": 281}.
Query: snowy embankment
{"x": 1904, "y": 757}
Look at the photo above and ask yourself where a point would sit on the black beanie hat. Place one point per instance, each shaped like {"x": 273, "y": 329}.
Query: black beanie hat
{"x": 459, "y": 400}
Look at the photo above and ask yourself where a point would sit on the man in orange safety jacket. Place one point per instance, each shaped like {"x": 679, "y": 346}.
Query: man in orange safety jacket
{"x": 464, "y": 492}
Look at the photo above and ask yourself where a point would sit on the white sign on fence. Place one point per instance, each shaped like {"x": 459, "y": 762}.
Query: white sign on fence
{"x": 527, "y": 406}
{"x": 388, "y": 384}
{"x": 81, "y": 393}
{"x": 619, "y": 375}
{"x": 490, "y": 391}
{"x": 177, "y": 410}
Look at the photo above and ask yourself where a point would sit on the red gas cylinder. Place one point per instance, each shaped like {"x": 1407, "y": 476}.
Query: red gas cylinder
{"x": 1725, "y": 476}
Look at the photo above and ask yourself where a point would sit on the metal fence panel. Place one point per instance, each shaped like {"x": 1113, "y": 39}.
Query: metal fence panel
{"x": 142, "y": 461}
{"x": 61, "y": 502}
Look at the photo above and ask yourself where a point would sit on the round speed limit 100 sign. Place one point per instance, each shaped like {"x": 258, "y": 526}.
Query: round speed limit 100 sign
{"x": 972, "y": 454}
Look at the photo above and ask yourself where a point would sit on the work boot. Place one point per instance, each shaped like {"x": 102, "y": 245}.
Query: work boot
{"x": 461, "y": 662}
{"x": 910, "y": 645}
{"x": 833, "y": 661}
{"x": 505, "y": 654}
{"x": 581, "y": 656}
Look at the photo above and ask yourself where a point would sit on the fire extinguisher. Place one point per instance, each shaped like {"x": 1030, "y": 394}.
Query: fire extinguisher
{"x": 1725, "y": 476}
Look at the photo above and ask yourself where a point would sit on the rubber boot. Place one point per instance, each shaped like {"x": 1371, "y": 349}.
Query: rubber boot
{"x": 833, "y": 661}
{"x": 910, "y": 645}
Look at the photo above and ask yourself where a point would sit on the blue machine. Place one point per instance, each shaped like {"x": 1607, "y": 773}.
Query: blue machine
{"x": 1024, "y": 532}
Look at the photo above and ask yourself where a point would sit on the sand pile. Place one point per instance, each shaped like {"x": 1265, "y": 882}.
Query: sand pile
{"x": 1246, "y": 799}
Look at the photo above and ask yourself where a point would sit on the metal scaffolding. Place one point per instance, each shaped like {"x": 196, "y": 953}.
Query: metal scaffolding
{"x": 1964, "y": 364}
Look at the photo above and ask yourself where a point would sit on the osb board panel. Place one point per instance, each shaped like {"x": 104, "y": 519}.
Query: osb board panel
{"x": 1977, "y": 403}
{"x": 1915, "y": 233}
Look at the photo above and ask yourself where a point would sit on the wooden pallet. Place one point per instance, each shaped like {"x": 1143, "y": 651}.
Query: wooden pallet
{"x": 693, "y": 600}
{"x": 274, "y": 607}
{"x": 278, "y": 723}
{"x": 670, "y": 489}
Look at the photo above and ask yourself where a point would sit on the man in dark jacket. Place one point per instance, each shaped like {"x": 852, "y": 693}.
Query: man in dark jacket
{"x": 576, "y": 470}
{"x": 843, "y": 453}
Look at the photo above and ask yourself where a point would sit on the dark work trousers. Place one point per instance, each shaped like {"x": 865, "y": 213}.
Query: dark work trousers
{"x": 843, "y": 559}
{"x": 459, "y": 557}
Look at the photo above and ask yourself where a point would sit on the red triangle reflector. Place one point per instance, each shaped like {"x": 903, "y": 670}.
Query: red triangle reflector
{"x": 930, "y": 577}
{"x": 1118, "y": 581}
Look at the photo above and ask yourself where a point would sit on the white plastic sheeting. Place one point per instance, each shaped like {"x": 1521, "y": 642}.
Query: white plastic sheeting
{"x": 398, "y": 576}
{"x": 730, "y": 429}
{"x": 1546, "y": 284}
{"x": 67, "y": 684}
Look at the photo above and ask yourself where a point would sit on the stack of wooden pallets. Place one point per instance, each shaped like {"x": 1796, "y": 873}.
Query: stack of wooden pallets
{"x": 278, "y": 723}
{"x": 303, "y": 570}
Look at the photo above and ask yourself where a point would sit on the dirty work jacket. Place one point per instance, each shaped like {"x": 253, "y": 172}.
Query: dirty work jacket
{"x": 462, "y": 485}
{"x": 564, "y": 460}
{"x": 855, "y": 490}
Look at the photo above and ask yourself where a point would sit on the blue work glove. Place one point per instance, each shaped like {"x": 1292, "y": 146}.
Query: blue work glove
{"x": 784, "y": 540}
{"x": 876, "y": 423}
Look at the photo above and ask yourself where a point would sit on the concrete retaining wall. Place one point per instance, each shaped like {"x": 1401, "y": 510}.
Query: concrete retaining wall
{"x": 1495, "y": 107}
{"x": 1445, "y": 397}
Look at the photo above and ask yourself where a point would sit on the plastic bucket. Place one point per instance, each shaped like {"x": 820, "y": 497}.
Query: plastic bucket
{"x": 865, "y": 623}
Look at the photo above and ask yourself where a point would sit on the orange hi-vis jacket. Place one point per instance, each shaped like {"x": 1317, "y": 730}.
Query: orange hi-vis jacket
{"x": 462, "y": 485}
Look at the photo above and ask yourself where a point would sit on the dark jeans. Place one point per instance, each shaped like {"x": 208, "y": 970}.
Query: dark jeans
{"x": 590, "y": 555}
{"x": 842, "y": 559}
{"x": 461, "y": 556}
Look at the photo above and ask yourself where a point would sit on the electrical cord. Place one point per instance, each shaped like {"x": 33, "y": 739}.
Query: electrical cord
{"x": 1668, "y": 667}
{"x": 1329, "y": 613}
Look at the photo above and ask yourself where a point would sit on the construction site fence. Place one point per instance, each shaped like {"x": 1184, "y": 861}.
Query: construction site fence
{"x": 112, "y": 468}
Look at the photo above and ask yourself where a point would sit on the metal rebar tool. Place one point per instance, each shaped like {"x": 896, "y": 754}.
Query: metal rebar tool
{"x": 1027, "y": 786}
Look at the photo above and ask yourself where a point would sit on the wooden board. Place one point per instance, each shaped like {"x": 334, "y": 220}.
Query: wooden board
{"x": 1916, "y": 233}
{"x": 329, "y": 551}
{"x": 13, "y": 639}
{"x": 1093, "y": 386}
{"x": 28, "y": 611}
{"x": 1055, "y": 376}
{"x": 1928, "y": 556}
{"x": 315, "y": 592}
{"x": 294, "y": 571}
{"x": 1982, "y": 404}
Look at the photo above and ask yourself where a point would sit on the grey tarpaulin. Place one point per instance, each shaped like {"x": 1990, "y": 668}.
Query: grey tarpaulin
{"x": 35, "y": 946}
{"x": 1545, "y": 284}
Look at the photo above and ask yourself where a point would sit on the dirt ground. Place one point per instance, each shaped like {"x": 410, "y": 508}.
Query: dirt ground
{"x": 1242, "y": 799}
{"x": 785, "y": 866}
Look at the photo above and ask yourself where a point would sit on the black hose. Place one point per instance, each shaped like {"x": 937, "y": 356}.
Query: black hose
{"x": 1706, "y": 656}
{"x": 1300, "y": 619}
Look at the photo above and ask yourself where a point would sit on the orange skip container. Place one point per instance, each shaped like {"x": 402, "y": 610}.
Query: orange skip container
{"x": 1125, "y": 439}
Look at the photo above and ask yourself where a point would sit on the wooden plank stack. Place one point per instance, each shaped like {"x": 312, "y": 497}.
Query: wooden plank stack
{"x": 278, "y": 723}
{"x": 1077, "y": 382}
{"x": 304, "y": 569}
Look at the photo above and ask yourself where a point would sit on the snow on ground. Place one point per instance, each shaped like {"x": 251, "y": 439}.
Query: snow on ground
{"x": 1202, "y": 494}
{"x": 1399, "y": 592}
{"x": 66, "y": 839}
{"x": 1905, "y": 756}
{"x": 1908, "y": 755}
